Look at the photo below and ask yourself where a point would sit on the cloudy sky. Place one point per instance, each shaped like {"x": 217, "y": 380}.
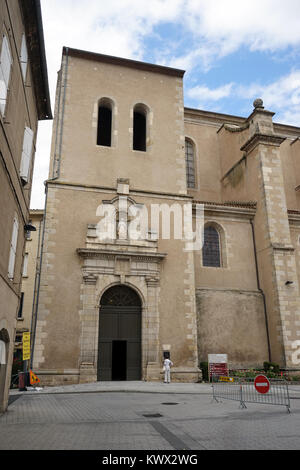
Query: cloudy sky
{"x": 232, "y": 51}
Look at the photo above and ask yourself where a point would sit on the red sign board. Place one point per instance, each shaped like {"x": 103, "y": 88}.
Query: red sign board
{"x": 261, "y": 384}
{"x": 218, "y": 369}
{"x": 217, "y": 365}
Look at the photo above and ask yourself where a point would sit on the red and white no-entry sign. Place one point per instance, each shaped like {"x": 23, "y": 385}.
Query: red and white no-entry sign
{"x": 261, "y": 384}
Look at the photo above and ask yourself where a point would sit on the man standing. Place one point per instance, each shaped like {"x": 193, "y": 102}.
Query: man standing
{"x": 167, "y": 369}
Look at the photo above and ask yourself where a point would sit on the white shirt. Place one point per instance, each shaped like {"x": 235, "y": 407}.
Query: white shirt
{"x": 167, "y": 364}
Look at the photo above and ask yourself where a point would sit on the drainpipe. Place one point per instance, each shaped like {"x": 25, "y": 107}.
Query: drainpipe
{"x": 33, "y": 322}
{"x": 261, "y": 291}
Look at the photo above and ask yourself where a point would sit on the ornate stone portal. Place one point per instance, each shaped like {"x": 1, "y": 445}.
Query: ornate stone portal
{"x": 135, "y": 264}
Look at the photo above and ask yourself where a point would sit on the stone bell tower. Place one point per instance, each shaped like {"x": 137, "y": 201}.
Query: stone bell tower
{"x": 116, "y": 143}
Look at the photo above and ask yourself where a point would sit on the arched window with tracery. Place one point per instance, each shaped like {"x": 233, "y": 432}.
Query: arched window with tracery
{"x": 211, "y": 252}
{"x": 190, "y": 164}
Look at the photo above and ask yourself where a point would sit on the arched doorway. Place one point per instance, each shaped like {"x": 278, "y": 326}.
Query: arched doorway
{"x": 119, "y": 348}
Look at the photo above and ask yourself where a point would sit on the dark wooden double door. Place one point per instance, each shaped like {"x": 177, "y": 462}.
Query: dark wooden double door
{"x": 119, "y": 349}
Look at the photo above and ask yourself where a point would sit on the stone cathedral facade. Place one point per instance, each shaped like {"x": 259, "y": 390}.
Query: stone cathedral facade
{"x": 112, "y": 308}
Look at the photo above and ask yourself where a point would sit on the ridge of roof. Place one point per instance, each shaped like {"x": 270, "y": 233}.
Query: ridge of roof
{"x": 122, "y": 61}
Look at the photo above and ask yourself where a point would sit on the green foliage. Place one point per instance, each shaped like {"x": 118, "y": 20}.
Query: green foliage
{"x": 237, "y": 373}
{"x": 251, "y": 373}
{"x": 271, "y": 367}
{"x": 271, "y": 375}
{"x": 295, "y": 378}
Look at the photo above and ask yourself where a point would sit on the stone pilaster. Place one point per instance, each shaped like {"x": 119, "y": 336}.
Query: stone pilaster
{"x": 151, "y": 329}
{"x": 89, "y": 327}
{"x": 275, "y": 253}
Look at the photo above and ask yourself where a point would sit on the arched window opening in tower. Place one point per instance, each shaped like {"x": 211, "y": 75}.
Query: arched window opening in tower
{"x": 104, "y": 125}
{"x": 139, "y": 129}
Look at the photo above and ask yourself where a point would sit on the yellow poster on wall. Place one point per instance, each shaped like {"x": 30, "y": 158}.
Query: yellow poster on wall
{"x": 26, "y": 346}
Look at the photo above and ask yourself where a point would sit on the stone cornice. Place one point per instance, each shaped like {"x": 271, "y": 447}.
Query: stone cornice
{"x": 264, "y": 139}
{"x": 294, "y": 217}
{"x": 217, "y": 119}
{"x": 263, "y": 112}
{"x": 111, "y": 254}
{"x": 282, "y": 247}
{"x": 200, "y": 116}
{"x": 108, "y": 189}
{"x": 90, "y": 278}
{"x": 152, "y": 281}
{"x": 246, "y": 210}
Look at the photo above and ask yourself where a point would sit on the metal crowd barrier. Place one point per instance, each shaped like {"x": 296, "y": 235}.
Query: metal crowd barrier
{"x": 244, "y": 391}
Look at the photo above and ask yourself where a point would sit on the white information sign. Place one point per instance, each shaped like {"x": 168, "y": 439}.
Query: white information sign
{"x": 217, "y": 358}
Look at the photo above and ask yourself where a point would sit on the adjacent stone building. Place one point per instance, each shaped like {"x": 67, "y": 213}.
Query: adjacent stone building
{"x": 111, "y": 307}
{"x": 26, "y": 318}
{"x": 24, "y": 100}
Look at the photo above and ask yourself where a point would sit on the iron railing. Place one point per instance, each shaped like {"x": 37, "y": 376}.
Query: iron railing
{"x": 244, "y": 391}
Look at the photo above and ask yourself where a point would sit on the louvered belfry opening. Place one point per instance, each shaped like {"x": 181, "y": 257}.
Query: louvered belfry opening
{"x": 119, "y": 351}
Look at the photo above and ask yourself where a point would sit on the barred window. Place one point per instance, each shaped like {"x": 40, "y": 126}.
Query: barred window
{"x": 211, "y": 253}
{"x": 190, "y": 164}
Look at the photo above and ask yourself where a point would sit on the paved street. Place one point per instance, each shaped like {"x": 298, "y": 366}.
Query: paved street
{"x": 137, "y": 416}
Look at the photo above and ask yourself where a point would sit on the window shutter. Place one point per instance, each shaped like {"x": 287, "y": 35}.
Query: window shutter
{"x": 25, "y": 265}
{"x": 26, "y": 154}
{"x": 5, "y": 67}
{"x": 24, "y": 57}
{"x": 2, "y": 353}
{"x": 13, "y": 249}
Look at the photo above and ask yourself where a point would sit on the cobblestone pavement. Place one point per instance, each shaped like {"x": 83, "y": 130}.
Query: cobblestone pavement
{"x": 83, "y": 419}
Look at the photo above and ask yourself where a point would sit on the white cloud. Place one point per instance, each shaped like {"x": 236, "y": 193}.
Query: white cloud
{"x": 215, "y": 28}
{"x": 218, "y": 28}
{"x": 205, "y": 96}
{"x": 260, "y": 24}
{"x": 212, "y": 29}
{"x": 281, "y": 96}
{"x": 281, "y": 93}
